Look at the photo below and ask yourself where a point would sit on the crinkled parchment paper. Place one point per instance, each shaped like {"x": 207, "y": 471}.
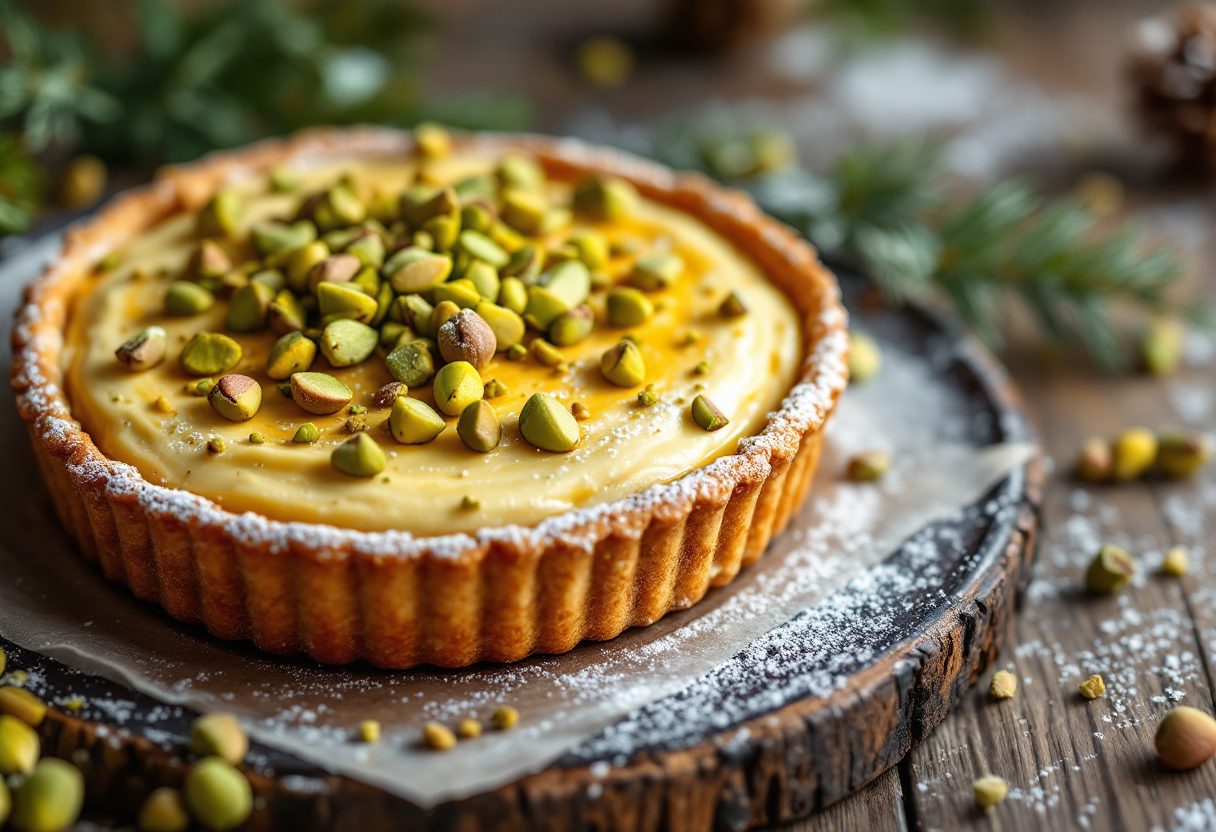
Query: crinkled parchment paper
{"x": 53, "y": 602}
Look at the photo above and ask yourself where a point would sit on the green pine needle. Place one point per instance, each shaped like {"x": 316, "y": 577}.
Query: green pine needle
{"x": 21, "y": 184}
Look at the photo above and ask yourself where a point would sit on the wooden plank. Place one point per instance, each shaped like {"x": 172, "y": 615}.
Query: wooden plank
{"x": 879, "y": 807}
{"x": 1071, "y": 763}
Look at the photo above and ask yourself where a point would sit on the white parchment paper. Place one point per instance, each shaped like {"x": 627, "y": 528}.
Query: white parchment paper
{"x": 53, "y": 602}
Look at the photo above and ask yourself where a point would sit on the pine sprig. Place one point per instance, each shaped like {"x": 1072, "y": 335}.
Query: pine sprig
{"x": 21, "y": 184}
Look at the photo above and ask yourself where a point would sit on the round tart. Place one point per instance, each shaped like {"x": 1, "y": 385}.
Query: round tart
{"x": 423, "y": 399}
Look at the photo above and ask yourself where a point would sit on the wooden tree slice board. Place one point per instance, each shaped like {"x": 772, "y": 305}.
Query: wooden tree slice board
{"x": 798, "y": 731}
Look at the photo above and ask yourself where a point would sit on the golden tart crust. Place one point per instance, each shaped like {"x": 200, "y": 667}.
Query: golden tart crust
{"x": 396, "y": 599}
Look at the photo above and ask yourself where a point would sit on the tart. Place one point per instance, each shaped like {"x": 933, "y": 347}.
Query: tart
{"x": 416, "y": 398}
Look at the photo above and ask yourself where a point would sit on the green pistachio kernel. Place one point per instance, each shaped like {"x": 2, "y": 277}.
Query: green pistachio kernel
{"x": 592, "y": 247}
{"x": 1135, "y": 451}
{"x": 517, "y": 352}
{"x": 469, "y": 503}
{"x": 1181, "y": 453}
{"x": 359, "y": 456}
{"x": 628, "y": 307}
{"x": 413, "y": 422}
{"x": 236, "y": 397}
{"x": 339, "y": 207}
{"x": 306, "y": 434}
{"x": 865, "y": 358}
{"x": 256, "y": 438}
{"x": 201, "y": 388}
{"x": 504, "y": 718}
{"x": 411, "y": 203}
{"x": 338, "y": 301}
{"x": 444, "y": 231}
{"x": 369, "y": 248}
{"x": 337, "y": 268}
{"x": 648, "y": 398}
{"x": 572, "y": 327}
{"x": 284, "y": 389}
{"x": 217, "y": 794}
{"x": 988, "y": 792}
{"x": 623, "y": 365}
{"x": 569, "y": 281}
{"x": 1111, "y": 570}
{"x": 216, "y": 445}
{"x": 479, "y": 427}
{"x": 19, "y": 747}
{"x": 545, "y": 353}
{"x": 110, "y": 262}
{"x": 163, "y": 811}
{"x": 658, "y": 271}
{"x": 481, "y": 247}
{"x": 513, "y": 295}
{"x": 463, "y": 293}
{"x": 249, "y": 308}
{"x": 271, "y": 236}
{"x": 524, "y": 210}
{"x": 183, "y": 299}
{"x": 319, "y": 393}
{"x": 389, "y": 393}
{"x": 868, "y": 466}
{"x": 271, "y": 278}
{"x": 219, "y": 735}
{"x": 423, "y": 240}
{"x": 293, "y": 353}
{"x": 494, "y": 388}
{"x": 144, "y": 350}
{"x": 476, "y": 217}
{"x": 733, "y": 306}
{"x": 580, "y": 411}
{"x": 444, "y": 311}
{"x": 345, "y": 343}
{"x": 415, "y": 269}
{"x": 466, "y": 337}
{"x": 416, "y": 311}
{"x": 50, "y": 799}
{"x": 545, "y": 424}
{"x": 703, "y": 368}
{"x": 209, "y": 354}
{"x": 554, "y": 220}
{"x": 220, "y": 217}
{"x": 391, "y": 333}
{"x": 411, "y": 364}
{"x": 284, "y": 180}
{"x": 525, "y": 264}
{"x": 209, "y": 261}
{"x": 706, "y": 414}
{"x": 302, "y": 262}
{"x": 432, "y": 140}
{"x": 507, "y": 326}
{"x": 517, "y": 170}
{"x": 457, "y": 386}
{"x": 485, "y": 277}
{"x": 544, "y": 308}
{"x": 560, "y": 254}
{"x": 604, "y": 200}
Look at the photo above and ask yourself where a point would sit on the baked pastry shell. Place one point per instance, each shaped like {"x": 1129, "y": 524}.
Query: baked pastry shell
{"x": 398, "y": 600}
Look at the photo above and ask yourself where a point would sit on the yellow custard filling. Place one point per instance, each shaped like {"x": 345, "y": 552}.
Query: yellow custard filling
{"x": 748, "y": 363}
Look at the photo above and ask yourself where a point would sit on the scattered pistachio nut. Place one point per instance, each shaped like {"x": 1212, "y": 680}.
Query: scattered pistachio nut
{"x": 411, "y": 364}
{"x": 163, "y": 811}
{"x": 291, "y": 354}
{"x": 484, "y": 277}
{"x": 208, "y": 261}
{"x": 369, "y": 731}
{"x": 236, "y": 397}
{"x": 868, "y": 466}
{"x": 1111, "y": 570}
{"x": 467, "y": 337}
{"x": 388, "y": 394}
{"x": 702, "y": 368}
{"x": 345, "y": 343}
{"x": 336, "y": 268}
{"x": 1186, "y": 738}
{"x": 572, "y": 327}
{"x": 1093, "y": 687}
{"x": 216, "y": 445}
{"x": 468, "y": 728}
{"x": 219, "y": 735}
{"x": 1176, "y": 562}
{"x": 200, "y": 388}
{"x": 413, "y": 422}
{"x": 457, "y": 386}
{"x": 1161, "y": 346}
{"x": 438, "y": 737}
{"x": 580, "y": 411}
{"x": 217, "y": 794}
{"x": 648, "y": 398}
{"x": 463, "y": 292}
{"x": 989, "y": 791}
{"x": 733, "y": 306}
{"x": 359, "y": 456}
{"x": 513, "y": 295}
{"x": 1004, "y": 685}
{"x": 545, "y": 424}
{"x": 517, "y": 352}
{"x": 220, "y": 217}
{"x": 524, "y": 210}
{"x": 545, "y": 353}
{"x": 319, "y": 393}
{"x": 480, "y": 247}
{"x": 256, "y": 438}
{"x": 865, "y": 358}
{"x": 1096, "y": 462}
{"x": 306, "y": 434}
{"x": 184, "y": 299}
{"x": 432, "y": 140}
{"x": 415, "y": 269}
{"x": 50, "y": 798}
{"x": 1180, "y": 453}
{"x": 603, "y": 199}
{"x": 1135, "y": 451}
{"x": 623, "y": 365}
{"x": 144, "y": 350}
{"x": 504, "y": 718}
{"x": 209, "y": 354}
{"x": 356, "y": 423}
{"x": 25, "y": 706}
{"x": 479, "y": 428}
{"x": 444, "y": 311}
{"x": 19, "y": 747}
{"x": 493, "y": 389}
{"x": 346, "y": 300}
{"x": 628, "y": 307}
{"x": 706, "y": 414}
{"x": 658, "y": 271}
{"x": 469, "y": 503}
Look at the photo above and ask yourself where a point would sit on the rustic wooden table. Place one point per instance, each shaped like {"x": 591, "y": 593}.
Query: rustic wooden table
{"x": 1071, "y": 764}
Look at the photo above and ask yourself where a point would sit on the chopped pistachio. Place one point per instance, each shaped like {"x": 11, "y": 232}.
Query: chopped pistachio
{"x": 184, "y": 299}
{"x": 236, "y": 397}
{"x": 144, "y": 350}
{"x": 517, "y": 170}
{"x": 463, "y": 293}
{"x": 470, "y": 503}
{"x": 284, "y": 389}
{"x": 319, "y": 393}
{"x": 19, "y": 747}
{"x": 286, "y": 314}
{"x": 345, "y": 343}
{"x": 256, "y": 438}
{"x": 293, "y": 353}
{"x": 481, "y": 247}
{"x": 580, "y": 411}
{"x": 1093, "y": 687}
{"x": 504, "y": 718}
{"x": 517, "y": 352}
{"x": 1162, "y": 345}
{"x": 476, "y": 216}
{"x": 359, "y": 456}
{"x": 457, "y": 386}
{"x": 220, "y": 217}
{"x": 217, "y": 794}
{"x": 438, "y": 737}
{"x": 369, "y": 731}
{"x": 513, "y": 295}
{"x": 989, "y": 791}
{"x": 162, "y": 405}
{"x": 49, "y": 799}
{"x": 1176, "y": 562}
{"x": 603, "y": 199}
{"x": 479, "y": 427}
{"x": 524, "y": 210}
{"x": 467, "y": 337}
{"x": 216, "y": 445}
{"x": 507, "y": 326}
{"x": 569, "y": 281}
{"x": 733, "y": 306}
{"x": 658, "y": 271}
{"x": 337, "y": 268}
{"x": 110, "y": 262}
{"x": 546, "y": 353}
{"x": 628, "y": 307}
{"x": 413, "y": 422}
{"x": 1097, "y": 461}
{"x": 1135, "y": 452}
{"x": 201, "y": 388}
{"x": 1003, "y": 686}
{"x": 339, "y": 207}
{"x": 545, "y": 424}
{"x": 272, "y": 236}
{"x": 868, "y": 466}
{"x": 432, "y": 140}
{"x": 1110, "y": 570}
{"x": 306, "y": 434}
{"x": 416, "y": 269}
{"x": 484, "y": 278}
{"x": 468, "y": 729}
{"x": 647, "y": 397}
{"x": 525, "y": 266}
{"x": 411, "y": 364}
{"x": 356, "y": 423}
{"x": 544, "y": 308}
{"x": 302, "y": 262}
{"x": 369, "y": 248}
{"x": 208, "y": 261}
{"x": 865, "y": 358}
{"x": 338, "y": 301}
{"x": 284, "y": 180}
{"x": 572, "y": 327}
{"x": 706, "y": 414}
{"x": 416, "y": 312}
{"x": 592, "y": 248}
{"x": 690, "y": 338}
{"x": 249, "y": 308}
{"x": 221, "y": 735}
{"x": 703, "y": 368}
{"x": 388, "y": 394}
{"x": 209, "y": 354}
{"x": 1181, "y": 453}
{"x": 623, "y": 365}
{"x": 163, "y": 811}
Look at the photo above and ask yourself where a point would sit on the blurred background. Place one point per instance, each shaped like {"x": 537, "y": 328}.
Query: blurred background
{"x": 972, "y": 152}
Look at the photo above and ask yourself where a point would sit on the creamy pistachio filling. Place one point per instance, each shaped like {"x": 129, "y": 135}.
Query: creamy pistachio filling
{"x": 631, "y": 432}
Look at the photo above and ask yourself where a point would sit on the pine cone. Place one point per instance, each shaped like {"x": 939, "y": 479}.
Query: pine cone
{"x": 1173, "y": 69}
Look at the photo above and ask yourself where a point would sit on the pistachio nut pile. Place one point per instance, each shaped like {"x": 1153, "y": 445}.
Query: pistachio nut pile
{"x": 433, "y": 281}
